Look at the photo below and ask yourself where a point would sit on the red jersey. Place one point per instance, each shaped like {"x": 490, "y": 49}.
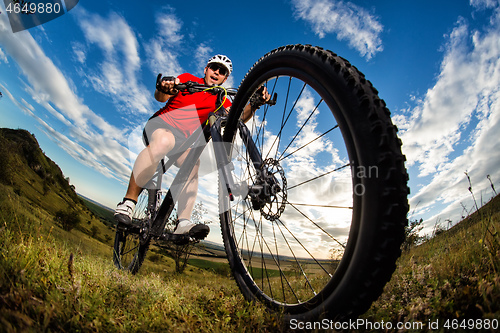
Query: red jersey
{"x": 187, "y": 111}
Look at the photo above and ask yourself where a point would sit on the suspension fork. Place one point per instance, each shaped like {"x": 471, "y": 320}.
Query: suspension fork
{"x": 225, "y": 166}
{"x": 252, "y": 149}
{"x": 222, "y": 152}
{"x": 260, "y": 190}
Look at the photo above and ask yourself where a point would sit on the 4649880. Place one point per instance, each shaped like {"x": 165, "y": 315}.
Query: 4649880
{"x": 471, "y": 324}
{"x": 27, "y": 8}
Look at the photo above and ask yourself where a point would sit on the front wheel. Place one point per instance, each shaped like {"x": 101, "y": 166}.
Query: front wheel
{"x": 319, "y": 228}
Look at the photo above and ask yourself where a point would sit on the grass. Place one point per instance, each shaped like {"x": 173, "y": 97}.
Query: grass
{"x": 59, "y": 281}
{"x": 454, "y": 275}
{"x": 52, "y": 280}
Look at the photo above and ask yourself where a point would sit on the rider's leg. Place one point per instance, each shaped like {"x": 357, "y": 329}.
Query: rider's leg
{"x": 186, "y": 202}
{"x": 133, "y": 190}
{"x": 187, "y": 197}
{"x": 162, "y": 141}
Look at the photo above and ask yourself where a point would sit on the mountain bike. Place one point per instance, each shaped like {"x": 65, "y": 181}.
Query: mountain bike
{"x": 155, "y": 204}
{"x": 312, "y": 188}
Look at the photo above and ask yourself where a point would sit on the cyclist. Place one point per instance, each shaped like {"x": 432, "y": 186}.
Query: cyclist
{"x": 168, "y": 128}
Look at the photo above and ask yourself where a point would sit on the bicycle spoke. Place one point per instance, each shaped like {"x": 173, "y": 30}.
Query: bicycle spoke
{"x": 318, "y": 226}
{"x": 320, "y": 206}
{"x": 266, "y": 109}
{"x": 300, "y": 130}
{"x": 317, "y": 177}
{"x": 262, "y": 240}
{"x": 131, "y": 250}
{"x": 273, "y": 233}
{"x": 296, "y": 150}
{"x": 259, "y": 240}
{"x": 284, "y": 121}
{"x": 295, "y": 258}
{"x": 263, "y": 245}
{"x": 278, "y": 256}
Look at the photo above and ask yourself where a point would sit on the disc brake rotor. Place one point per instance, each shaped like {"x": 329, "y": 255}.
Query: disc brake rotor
{"x": 275, "y": 191}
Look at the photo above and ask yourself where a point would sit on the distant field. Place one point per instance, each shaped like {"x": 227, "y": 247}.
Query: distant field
{"x": 105, "y": 214}
{"x": 207, "y": 264}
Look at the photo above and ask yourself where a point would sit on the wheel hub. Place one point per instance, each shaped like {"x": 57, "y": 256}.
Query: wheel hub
{"x": 269, "y": 193}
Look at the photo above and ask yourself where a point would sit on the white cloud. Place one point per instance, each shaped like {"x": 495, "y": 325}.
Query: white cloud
{"x": 79, "y": 52}
{"x": 91, "y": 140}
{"x": 3, "y": 57}
{"x": 22, "y": 104}
{"x": 46, "y": 81}
{"x": 345, "y": 19}
{"x": 455, "y": 127}
{"x": 163, "y": 50}
{"x": 170, "y": 27}
{"x": 480, "y": 4}
{"x": 116, "y": 76}
{"x": 203, "y": 53}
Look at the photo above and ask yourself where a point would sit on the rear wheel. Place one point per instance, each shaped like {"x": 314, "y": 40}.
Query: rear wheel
{"x": 132, "y": 243}
{"x": 318, "y": 230}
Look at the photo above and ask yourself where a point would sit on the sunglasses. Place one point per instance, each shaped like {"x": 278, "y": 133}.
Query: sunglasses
{"x": 214, "y": 67}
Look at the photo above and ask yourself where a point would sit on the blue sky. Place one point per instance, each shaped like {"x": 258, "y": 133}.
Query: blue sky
{"x": 83, "y": 83}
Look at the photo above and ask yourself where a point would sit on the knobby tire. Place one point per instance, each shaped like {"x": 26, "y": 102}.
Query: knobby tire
{"x": 275, "y": 251}
{"x": 129, "y": 250}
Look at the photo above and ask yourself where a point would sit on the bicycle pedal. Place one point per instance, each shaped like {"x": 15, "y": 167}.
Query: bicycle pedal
{"x": 128, "y": 228}
{"x": 193, "y": 240}
{"x": 177, "y": 239}
{"x": 180, "y": 239}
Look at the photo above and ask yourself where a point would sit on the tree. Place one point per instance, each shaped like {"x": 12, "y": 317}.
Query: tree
{"x": 68, "y": 219}
{"x": 6, "y": 165}
{"x": 94, "y": 231}
{"x": 198, "y": 212}
{"x": 180, "y": 254}
{"x": 412, "y": 237}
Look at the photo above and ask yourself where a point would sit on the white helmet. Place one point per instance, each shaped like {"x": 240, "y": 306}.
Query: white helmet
{"x": 223, "y": 60}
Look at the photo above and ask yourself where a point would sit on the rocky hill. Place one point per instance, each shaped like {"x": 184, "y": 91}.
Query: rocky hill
{"x": 24, "y": 166}
{"x": 37, "y": 180}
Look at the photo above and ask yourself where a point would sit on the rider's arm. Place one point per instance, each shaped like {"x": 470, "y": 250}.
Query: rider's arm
{"x": 166, "y": 86}
{"x": 250, "y": 109}
{"x": 247, "y": 113}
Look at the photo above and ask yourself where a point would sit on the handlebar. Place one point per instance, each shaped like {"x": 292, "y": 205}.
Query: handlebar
{"x": 192, "y": 87}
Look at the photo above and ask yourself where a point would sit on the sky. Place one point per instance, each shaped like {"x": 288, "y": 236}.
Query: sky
{"x": 83, "y": 83}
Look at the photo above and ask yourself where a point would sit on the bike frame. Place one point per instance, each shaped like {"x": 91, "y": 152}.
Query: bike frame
{"x": 210, "y": 130}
